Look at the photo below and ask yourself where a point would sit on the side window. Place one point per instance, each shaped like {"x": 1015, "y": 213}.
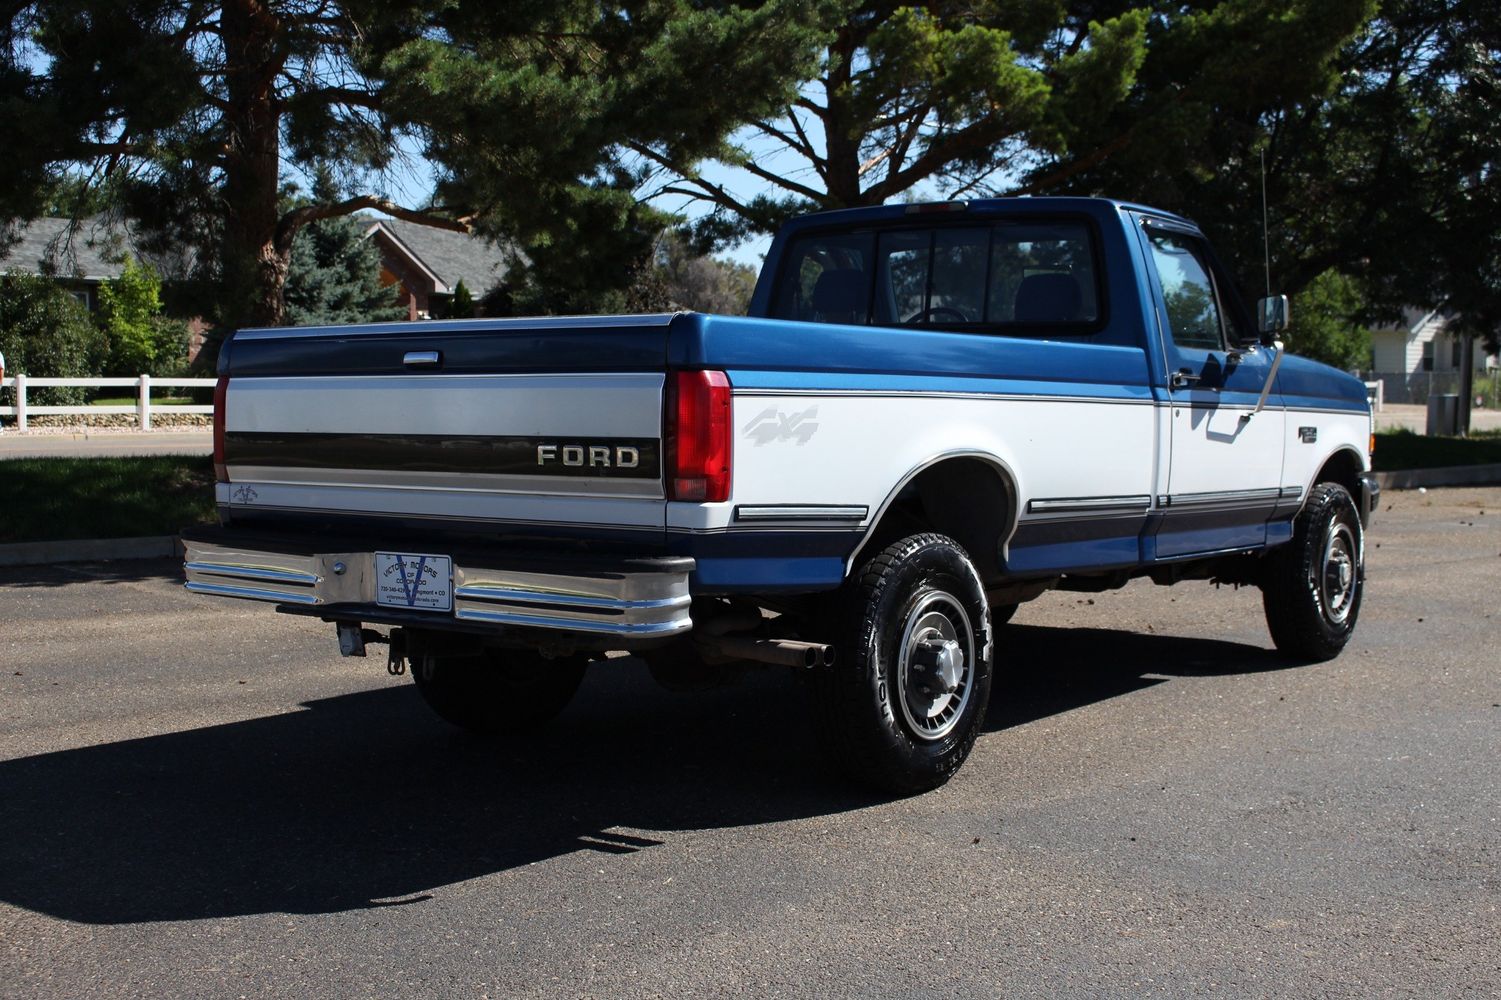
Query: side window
{"x": 827, "y": 280}
{"x": 1193, "y": 312}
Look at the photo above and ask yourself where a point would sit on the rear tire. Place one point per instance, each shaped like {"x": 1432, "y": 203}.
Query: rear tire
{"x": 1313, "y": 585}
{"x": 499, "y": 693}
{"x": 902, "y": 705}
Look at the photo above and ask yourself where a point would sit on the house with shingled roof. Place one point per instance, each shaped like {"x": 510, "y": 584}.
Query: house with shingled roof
{"x": 83, "y": 254}
{"x": 425, "y": 265}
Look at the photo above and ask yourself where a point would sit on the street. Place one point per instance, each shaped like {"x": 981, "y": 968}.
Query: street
{"x": 106, "y": 444}
{"x": 200, "y": 798}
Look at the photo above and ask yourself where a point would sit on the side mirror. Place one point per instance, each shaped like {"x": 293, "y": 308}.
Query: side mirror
{"x": 1271, "y": 315}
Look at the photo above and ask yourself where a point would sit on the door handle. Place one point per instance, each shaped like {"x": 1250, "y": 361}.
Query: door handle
{"x": 420, "y": 359}
{"x": 1182, "y": 379}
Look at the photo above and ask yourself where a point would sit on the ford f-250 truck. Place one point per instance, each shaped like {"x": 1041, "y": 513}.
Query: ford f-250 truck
{"x": 932, "y": 414}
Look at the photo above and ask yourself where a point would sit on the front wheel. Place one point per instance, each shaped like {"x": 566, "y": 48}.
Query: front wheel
{"x": 902, "y": 706}
{"x": 501, "y": 692}
{"x": 1313, "y": 584}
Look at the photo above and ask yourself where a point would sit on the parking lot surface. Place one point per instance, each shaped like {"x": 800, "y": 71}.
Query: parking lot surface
{"x": 202, "y": 799}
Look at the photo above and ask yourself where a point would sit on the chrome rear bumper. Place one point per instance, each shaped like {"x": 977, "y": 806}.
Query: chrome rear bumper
{"x": 629, "y": 598}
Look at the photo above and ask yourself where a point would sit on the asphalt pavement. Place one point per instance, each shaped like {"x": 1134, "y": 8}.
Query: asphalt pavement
{"x": 199, "y": 798}
{"x": 1400, "y": 416}
{"x": 104, "y": 444}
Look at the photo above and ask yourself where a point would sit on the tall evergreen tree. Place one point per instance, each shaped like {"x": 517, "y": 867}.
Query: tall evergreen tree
{"x": 952, "y": 99}
{"x": 1390, "y": 174}
{"x": 334, "y": 276}
{"x": 334, "y": 272}
{"x": 197, "y": 108}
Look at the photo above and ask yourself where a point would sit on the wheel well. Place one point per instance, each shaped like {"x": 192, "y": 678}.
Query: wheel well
{"x": 1343, "y": 467}
{"x": 967, "y": 498}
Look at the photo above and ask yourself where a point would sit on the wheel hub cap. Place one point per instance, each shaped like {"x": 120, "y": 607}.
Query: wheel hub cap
{"x": 938, "y": 664}
{"x": 1337, "y": 580}
{"x": 937, "y": 655}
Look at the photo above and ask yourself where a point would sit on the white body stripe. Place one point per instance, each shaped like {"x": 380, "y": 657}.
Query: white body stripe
{"x": 467, "y": 505}
{"x": 610, "y": 405}
{"x": 850, "y": 450}
{"x": 1220, "y": 449}
{"x": 1336, "y": 431}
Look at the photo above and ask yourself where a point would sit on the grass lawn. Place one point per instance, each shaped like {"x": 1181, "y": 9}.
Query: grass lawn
{"x": 1406, "y": 450}
{"x": 47, "y": 499}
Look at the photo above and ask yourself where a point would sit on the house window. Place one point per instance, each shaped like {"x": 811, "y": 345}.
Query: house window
{"x": 1428, "y": 356}
{"x": 1456, "y": 354}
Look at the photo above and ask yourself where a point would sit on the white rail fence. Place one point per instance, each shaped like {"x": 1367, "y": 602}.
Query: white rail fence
{"x": 144, "y": 408}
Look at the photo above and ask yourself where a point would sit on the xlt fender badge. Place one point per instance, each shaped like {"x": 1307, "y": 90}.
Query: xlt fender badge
{"x": 772, "y": 425}
{"x": 1308, "y": 435}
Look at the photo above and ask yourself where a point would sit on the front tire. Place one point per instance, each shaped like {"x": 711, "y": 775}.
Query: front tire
{"x": 1313, "y": 585}
{"x": 901, "y": 707}
{"x": 501, "y": 692}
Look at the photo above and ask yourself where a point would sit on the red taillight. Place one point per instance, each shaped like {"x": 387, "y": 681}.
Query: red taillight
{"x": 221, "y": 389}
{"x": 698, "y": 436}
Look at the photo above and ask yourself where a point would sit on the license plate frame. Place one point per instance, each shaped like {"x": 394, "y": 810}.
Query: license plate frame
{"x": 414, "y": 581}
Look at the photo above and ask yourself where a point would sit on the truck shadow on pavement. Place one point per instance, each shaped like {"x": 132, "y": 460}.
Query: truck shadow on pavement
{"x": 68, "y": 574}
{"x": 1047, "y": 670}
{"x": 366, "y": 800}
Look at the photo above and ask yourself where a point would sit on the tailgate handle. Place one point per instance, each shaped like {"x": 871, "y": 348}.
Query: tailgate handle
{"x": 415, "y": 359}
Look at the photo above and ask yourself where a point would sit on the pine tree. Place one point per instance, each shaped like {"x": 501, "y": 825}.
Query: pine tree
{"x": 196, "y": 109}
{"x": 334, "y": 274}
{"x": 461, "y": 306}
{"x": 959, "y": 99}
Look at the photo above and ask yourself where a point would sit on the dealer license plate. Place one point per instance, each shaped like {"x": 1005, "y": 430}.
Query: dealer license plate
{"x": 405, "y": 580}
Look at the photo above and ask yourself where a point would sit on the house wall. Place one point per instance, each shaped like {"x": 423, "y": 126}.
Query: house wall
{"x": 1389, "y": 350}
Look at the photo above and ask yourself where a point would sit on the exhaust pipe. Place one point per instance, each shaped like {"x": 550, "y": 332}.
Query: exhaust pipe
{"x": 778, "y": 652}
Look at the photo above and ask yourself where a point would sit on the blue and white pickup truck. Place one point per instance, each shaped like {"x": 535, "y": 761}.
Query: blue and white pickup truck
{"x": 932, "y": 414}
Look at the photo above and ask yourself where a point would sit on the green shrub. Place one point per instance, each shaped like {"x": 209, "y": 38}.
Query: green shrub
{"x": 46, "y": 333}
{"x": 141, "y": 340}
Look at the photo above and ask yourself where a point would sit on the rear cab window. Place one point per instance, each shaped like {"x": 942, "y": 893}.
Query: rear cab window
{"x": 1018, "y": 278}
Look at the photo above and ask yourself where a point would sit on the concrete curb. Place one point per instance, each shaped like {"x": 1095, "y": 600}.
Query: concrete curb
{"x": 89, "y": 550}
{"x": 163, "y": 546}
{"x": 1449, "y": 475}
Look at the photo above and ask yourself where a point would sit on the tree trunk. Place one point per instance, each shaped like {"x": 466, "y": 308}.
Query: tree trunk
{"x": 843, "y": 181}
{"x": 255, "y": 266}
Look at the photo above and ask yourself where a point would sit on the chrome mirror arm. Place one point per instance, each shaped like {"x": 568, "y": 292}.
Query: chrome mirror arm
{"x": 1271, "y": 378}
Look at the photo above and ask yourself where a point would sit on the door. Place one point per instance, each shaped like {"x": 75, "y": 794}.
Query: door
{"x": 1225, "y": 457}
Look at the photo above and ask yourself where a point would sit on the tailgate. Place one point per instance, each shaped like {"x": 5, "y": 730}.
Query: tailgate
{"x": 548, "y": 424}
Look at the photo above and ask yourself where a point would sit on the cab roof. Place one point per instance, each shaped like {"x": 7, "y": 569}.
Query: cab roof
{"x": 976, "y": 208}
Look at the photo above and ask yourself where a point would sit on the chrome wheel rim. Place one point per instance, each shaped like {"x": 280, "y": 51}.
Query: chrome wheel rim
{"x": 1339, "y": 573}
{"x": 936, "y": 669}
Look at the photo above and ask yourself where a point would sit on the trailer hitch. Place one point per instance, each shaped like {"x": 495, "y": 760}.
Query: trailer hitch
{"x": 353, "y": 639}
